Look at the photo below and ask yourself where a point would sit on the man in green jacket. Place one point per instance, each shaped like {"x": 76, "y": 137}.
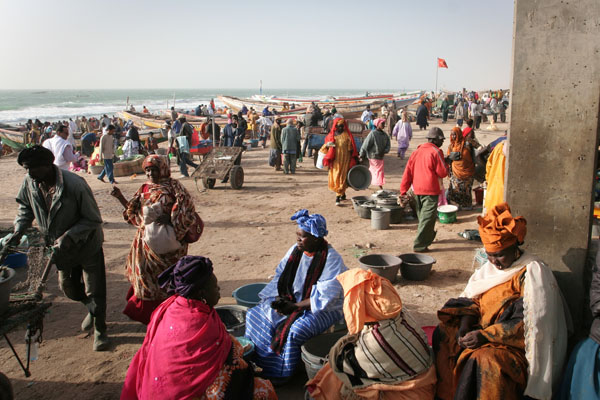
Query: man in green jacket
{"x": 290, "y": 146}
{"x": 69, "y": 220}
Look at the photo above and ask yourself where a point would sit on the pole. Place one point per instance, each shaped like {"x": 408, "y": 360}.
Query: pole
{"x": 260, "y": 91}
{"x": 436, "y": 78}
{"x": 173, "y": 99}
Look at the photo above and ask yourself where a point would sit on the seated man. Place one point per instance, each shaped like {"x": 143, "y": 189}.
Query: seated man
{"x": 303, "y": 299}
{"x": 384, "y": 355}
{"x": 506, "y": 335}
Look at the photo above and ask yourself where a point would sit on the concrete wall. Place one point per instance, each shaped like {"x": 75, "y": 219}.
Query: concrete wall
{"x": 554, "y": 133}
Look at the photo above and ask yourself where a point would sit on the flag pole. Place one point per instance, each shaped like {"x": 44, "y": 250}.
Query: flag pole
{"x": 437, "y": 68}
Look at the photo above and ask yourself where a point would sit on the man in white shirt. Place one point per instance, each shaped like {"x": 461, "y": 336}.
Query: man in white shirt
{"x": 72, "y": 130}
{"x": 366, "y": 115}
{"x": 61, "y": 148}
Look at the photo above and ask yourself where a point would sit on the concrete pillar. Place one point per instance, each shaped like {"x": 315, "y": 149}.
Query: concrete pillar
{"x": 553, "y": 137}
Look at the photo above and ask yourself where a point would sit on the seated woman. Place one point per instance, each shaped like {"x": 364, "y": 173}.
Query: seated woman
{"x": 581, "y": 378}
{"x": 506, "y": 335}
{"x": 187, "y": 352}
{"x": 384, "y": 355}
{"x": 143, "y": 264}
{"x": 303, "y": 299}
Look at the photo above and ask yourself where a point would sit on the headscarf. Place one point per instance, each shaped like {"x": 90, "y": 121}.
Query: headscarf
{"x": 314, "y": 224}
{"x": 367, "y": 298}
{"x": 378, "y": 122}
{"x": 466, "y": 131}
{"x": 330, "y": 138}
{"x": 499, "y": 230}
{"x": 186, "y": 276}
{"x": 154, "y": 160}
{"x": 456, "y": 139}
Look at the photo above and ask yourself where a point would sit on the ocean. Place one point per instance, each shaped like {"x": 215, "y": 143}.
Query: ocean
{"x": 17, "y": 106}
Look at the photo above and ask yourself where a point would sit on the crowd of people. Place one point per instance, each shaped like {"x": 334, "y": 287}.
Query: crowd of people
{"x": 505, "y": 336}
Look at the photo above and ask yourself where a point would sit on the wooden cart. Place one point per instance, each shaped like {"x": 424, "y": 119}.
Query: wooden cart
{"x": 222, "y": 163}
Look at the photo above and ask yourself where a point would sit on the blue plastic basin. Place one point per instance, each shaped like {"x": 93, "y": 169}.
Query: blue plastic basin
{"x": 16, "y": 260}
{"x": 247, "y": 295}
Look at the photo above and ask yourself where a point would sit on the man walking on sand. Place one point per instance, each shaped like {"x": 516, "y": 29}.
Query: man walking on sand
{"x": 425, "y": 167}
{"x": 61, "y": 148}
{"x": 107, "y": 152}
{"x": 290, "y": 146}
{"x": 68, "y": 218}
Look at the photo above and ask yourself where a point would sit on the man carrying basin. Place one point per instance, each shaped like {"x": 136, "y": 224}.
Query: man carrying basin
{"x": 423, "y": 171}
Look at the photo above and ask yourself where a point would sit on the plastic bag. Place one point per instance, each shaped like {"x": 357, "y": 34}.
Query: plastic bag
{"x": 320, "y": 158}
{"x": 159, "y": 237}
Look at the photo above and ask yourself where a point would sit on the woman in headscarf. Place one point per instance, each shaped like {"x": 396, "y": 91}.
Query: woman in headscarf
{"x": 143, "y": 264}
{"x": 303, "y": 299}
{"x": 384, "y": 355}
{"x": 187, "y": 352}
{"x": 375, "y": 147}
{"x": 341, "y": 154}
{"x": 505, "y": 336}
{"x": 460, "y": 153}
{"x": 403, "y": 134}
{"x": 422, "y": 115}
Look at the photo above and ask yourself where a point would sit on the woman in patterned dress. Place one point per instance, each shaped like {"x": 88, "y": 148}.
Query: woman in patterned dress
{"x": 143, "y": 264}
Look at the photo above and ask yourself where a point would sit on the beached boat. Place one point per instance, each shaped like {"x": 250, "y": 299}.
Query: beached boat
{"x": 152, "y": 121}
{"x": 328, "y": 100}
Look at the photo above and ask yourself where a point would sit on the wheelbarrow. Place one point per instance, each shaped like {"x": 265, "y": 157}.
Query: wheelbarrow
{"x": 221, "y": 163}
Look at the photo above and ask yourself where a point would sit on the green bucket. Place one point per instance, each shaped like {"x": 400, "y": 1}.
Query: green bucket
{"x": 447, "y": 214}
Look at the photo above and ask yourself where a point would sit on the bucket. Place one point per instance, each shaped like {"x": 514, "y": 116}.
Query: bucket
{"x": 364, "y": 209}
{"x": 6, "y": 277}
{"x": 253, "y": 142}
{"x": 15, "y": 260}
{"x": 315, "y": 351}
{"x": 416, "y": 267}
{"x": 234, "y": 318}
{"x": 383, "y": 265}
{"x": 247, "y": 295}
{"x": 447, "y": 213}
{"x": 396, "y": 213}
{"x": 359, "y": 177}
{"x": 478, "y": 195}
{"x": 357, "y": 201}
{"x": 380, "y": 218}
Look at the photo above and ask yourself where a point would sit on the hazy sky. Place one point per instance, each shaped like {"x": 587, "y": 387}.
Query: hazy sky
{"x": 76, "y": 44}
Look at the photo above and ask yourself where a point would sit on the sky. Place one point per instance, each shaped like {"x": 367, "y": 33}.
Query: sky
{"x": 131, "y": 44}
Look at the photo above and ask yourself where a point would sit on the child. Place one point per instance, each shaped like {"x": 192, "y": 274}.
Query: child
{"x": 403, "y": 133}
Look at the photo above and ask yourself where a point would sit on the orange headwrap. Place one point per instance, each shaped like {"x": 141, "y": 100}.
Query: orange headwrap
{"x": 367, "y": 298}
{"x": 330, "y": 138}
{"x": 499, "y": 230}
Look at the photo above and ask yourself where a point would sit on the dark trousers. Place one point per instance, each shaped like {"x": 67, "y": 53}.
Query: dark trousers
{"x": 289, "y": 163}
{"x": 87, "y": 283}
{"x": 427, "y": 214}
{"x": 184, "y": 161}
{"x": 305, "y": 145}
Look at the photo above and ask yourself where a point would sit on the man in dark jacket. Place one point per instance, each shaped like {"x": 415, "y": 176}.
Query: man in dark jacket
{"x": 69, "y": 220}
{"x": 422, "y": 115}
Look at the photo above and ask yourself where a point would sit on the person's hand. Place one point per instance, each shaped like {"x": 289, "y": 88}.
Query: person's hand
{"x": 64, "y": 243}
{"x": 467, "y": 323}
{"x": 163, "y": 219}
{"x": 330, "y": 144}
{"x": 116, "y": 192}
{"x": 472, "y": 340}
{"x": 283, "y": 306}
{"x": 14, "y": 239}
{"x": 403, "y": 200}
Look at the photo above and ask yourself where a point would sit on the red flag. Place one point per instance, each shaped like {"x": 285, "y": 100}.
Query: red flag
{"x": 442, "y": 63}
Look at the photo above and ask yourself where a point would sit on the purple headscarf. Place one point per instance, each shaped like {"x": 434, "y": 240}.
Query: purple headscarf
{"x": 314, "y": 224}
{"x": 186, "y": 276}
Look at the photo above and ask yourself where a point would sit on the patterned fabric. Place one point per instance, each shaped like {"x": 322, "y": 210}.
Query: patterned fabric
{"x": 236, "y": 381}
{"x": 459, "y": 191}
{"x": 143, "y": 265}
{"x": 315, "y": 224}
{"x": 389, "y": 351}
{"x": 495, "y": 370}
{"x": 260, "y": 330}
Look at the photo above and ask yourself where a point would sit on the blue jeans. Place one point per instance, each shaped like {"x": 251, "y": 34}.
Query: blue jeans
{"x": 108, "y": 170}
{"x": 184, "y": 161}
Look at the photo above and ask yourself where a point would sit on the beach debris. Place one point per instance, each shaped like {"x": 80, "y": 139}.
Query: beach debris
{"x": 370, "y": 245}
{"x": 357, "y": 246}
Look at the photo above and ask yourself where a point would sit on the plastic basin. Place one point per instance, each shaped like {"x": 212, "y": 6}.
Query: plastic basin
{"x": 315, "y": 351}
{"x": 15, "y": 260}
{"x": 383, "y": 265}
{"x": 359, "y": 177}
{"x": 416, "y": 267}
{"x": 234, "y": 318}
{"x": 247, "y": 295}
{"x": 6, "y": 278}
{"x": 447, "y": 213}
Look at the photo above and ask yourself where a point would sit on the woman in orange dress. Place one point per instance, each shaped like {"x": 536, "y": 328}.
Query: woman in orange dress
{"x": 505, "y": 336}
{"x": 341, "y": 155}
{"x": 463, "y": 170}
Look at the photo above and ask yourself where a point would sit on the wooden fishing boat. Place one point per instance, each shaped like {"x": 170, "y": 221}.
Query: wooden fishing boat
{"x": 152, "y": 121}
{"x": 15, "y": 134}
{"x": 237, "y": 103}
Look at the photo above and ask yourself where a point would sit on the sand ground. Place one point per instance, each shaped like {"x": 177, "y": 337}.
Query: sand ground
{"x": 247, "y": 233}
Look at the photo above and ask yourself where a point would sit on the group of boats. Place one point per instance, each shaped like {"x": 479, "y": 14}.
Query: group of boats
{"x": 285, "y": 108}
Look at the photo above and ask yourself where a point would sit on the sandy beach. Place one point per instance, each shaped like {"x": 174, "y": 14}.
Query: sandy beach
{"x": 246, "y": 234}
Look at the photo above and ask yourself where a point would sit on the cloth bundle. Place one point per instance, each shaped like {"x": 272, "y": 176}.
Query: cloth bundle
{"x": 159, "y": 237}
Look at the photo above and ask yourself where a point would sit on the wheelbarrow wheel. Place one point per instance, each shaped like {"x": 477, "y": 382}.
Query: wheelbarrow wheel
{"x": 236, "y": 177}
{"x": 208, "y": 183}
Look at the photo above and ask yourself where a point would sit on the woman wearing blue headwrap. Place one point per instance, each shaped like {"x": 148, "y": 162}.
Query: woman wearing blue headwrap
{"x": 303, "y": 299}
